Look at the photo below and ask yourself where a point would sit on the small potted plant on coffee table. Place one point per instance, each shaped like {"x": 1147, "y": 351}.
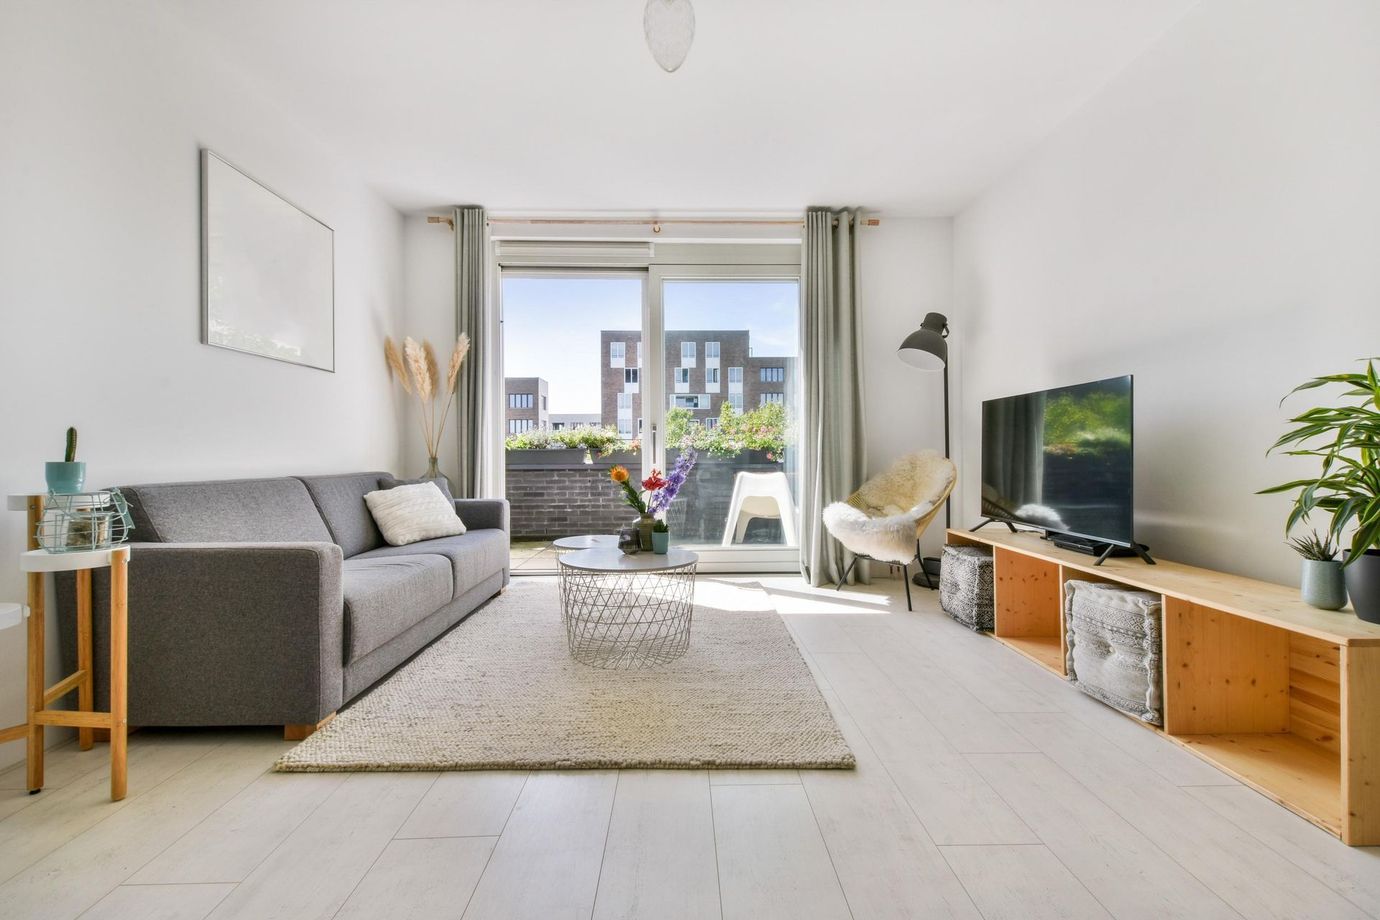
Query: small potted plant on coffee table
{"x": 1345, "y": 438}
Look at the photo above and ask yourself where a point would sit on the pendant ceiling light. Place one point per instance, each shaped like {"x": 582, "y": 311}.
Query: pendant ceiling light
{"x": 670, "y": 28}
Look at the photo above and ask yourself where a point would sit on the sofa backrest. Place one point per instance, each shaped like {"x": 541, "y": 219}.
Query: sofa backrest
{"x": 226, "y": 511}
{"x": 340, "y": 501}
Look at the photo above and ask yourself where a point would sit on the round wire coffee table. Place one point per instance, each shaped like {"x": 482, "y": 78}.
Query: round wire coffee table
{"x": 624, "y": 612}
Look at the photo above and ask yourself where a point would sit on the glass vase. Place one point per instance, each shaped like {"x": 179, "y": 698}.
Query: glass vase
{"x": 645, "y": 523}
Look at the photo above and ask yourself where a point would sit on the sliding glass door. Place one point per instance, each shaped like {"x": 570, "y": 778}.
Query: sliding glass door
{"x": 719, "y": 388}
{"x": 730, "y": 383}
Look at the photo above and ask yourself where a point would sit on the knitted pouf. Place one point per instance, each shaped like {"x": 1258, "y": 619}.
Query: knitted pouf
{"x": 965, "y": 585}
{"x": 1114, "y": 646}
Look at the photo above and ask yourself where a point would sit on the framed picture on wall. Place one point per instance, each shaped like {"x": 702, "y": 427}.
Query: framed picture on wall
{"x": 268, "y": 271}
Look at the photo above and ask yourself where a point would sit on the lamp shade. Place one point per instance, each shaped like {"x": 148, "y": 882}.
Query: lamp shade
{"x": 925, "y": 348}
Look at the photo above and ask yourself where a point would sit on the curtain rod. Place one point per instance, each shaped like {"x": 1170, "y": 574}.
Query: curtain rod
{"x": 654, "y": 223}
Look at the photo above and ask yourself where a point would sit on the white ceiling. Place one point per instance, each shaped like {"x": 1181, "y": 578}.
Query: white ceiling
{"x": 910, "y": 107}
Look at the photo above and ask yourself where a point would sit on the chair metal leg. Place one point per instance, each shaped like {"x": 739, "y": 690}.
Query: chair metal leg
{"x": 846, "y": 572}
{"x": 905, "y": 577}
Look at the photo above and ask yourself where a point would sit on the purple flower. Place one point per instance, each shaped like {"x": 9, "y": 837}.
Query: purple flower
{"x": 662, "y": 498}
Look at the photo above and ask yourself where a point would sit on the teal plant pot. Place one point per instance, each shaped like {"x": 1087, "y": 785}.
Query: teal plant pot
{"x": 65, "y": 477}
{"x": 661, "y": 542}
{"x": 1322, "y": 585}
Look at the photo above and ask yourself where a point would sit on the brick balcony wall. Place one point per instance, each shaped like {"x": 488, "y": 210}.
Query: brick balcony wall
{"x": 559, "y": 499}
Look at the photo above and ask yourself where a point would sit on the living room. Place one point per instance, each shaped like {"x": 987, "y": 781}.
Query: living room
{"x": 503, "y": 460}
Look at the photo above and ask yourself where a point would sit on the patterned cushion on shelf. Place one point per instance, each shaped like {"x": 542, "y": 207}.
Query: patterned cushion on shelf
{"x": 965, "y": 585}
{"x": 1114, "y": 646}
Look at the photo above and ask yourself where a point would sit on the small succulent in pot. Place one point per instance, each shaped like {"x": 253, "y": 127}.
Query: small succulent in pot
{"x": 67, "y": 475}
{"x": 1323, "y": 584}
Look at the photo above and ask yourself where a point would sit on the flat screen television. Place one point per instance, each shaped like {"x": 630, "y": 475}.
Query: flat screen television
{"x": 1061, "y": 460}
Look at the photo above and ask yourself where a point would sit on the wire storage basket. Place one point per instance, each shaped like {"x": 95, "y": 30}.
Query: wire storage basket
{"x": 75, "y": 522}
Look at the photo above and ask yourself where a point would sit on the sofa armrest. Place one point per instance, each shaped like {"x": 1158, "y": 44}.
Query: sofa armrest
{"x": 229, "y": 633}
{"x": 483, "y": 513}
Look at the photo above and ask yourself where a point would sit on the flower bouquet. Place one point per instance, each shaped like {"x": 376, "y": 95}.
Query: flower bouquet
{"x": 653, "y": 531}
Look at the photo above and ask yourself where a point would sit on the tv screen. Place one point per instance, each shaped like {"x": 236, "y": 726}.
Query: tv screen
{"x": 1060, "y": 460}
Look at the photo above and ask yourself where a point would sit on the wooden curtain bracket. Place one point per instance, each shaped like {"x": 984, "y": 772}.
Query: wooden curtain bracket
{"x": 448, "y": 221}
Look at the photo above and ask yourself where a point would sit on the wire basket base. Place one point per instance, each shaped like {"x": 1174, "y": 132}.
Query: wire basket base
{"x": 627, "y": 620}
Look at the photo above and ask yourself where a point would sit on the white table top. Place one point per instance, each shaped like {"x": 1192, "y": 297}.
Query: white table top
{"x": 40, "y": 560}
{"x": 602, "y": 559}
{"x": 587, "y": 541}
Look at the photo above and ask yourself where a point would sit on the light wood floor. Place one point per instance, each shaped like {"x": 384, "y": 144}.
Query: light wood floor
{"x": 985, "y": 788}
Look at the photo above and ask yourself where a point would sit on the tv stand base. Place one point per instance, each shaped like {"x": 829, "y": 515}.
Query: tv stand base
{"x": 1103, "y": 551}
{"x": 991, "y": 520}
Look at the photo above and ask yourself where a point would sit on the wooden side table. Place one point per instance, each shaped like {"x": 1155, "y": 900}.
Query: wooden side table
{"x": 36, "y": 563}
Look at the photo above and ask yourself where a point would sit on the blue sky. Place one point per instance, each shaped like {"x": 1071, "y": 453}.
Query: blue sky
{"x": 551, "y": 325}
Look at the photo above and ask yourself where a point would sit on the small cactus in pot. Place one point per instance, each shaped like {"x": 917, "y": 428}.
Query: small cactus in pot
{"x": 69, "y": 474}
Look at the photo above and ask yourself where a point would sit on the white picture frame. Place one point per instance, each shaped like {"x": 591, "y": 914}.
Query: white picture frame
{"x": 268, "y": 271}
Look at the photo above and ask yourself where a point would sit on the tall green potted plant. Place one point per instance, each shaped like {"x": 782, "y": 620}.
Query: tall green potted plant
{"x": 1345, "y": 438}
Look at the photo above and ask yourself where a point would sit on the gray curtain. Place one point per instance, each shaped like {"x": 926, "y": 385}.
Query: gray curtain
{"x": 832, "y": 408}
{"x": 476, "y": 316}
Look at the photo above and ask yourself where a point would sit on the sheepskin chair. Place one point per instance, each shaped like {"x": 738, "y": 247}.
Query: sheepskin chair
{"x": 884, "y": 519}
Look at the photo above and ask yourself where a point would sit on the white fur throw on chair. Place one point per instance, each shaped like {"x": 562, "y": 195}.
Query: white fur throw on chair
{"x": 883, "y": 519}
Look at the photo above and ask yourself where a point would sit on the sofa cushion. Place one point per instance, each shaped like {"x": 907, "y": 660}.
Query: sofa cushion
{"x": 340, "y": 500}
{"x": 473, "y": 556}
{"x": 385, "y": 596}
{"x": 225, "y": 511}
{"x": 410, "y": 514}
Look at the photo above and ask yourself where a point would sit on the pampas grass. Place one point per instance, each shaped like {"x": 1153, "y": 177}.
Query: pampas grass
{"x": 415, "y": 368}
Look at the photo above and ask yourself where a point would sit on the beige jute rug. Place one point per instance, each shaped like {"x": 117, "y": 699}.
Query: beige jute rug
{"x": 500, "y": 691}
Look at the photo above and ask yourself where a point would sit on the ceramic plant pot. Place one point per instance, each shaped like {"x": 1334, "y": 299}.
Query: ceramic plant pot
{"x": 64, "y": 477}
{"x": 661, "y": 541}
{"x": 1363, "y": 584}
{"x": 1322, "y": 584}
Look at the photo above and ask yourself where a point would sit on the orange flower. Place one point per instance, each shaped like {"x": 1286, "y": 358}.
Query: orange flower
{"x": 619, "y": 474}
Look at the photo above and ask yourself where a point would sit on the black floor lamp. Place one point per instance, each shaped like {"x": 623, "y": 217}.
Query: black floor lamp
{"x": 927, "y": 349}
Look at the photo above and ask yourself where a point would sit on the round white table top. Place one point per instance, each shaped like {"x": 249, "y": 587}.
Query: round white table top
{"x": 603, "y": 559}
{"x": 587, "y": 541}
{"x": 40, "y": 560}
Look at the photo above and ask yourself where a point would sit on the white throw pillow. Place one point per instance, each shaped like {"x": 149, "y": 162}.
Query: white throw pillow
{"x": 407, "y": 514}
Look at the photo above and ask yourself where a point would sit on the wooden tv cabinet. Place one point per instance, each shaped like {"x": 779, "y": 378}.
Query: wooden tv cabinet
{"x": 1281, "y": 695}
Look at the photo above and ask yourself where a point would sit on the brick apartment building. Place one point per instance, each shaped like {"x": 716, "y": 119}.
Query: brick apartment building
{"x": 525, "y": 404}
{"x": 704, "y": 369}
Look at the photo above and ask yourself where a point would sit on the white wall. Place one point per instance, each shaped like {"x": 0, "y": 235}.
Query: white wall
{"x": 1209, "y": 222}
{"x": 102, "y": 112}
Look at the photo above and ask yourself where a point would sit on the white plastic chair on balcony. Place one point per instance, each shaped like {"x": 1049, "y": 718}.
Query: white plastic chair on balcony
{"x": 760, "y": 495}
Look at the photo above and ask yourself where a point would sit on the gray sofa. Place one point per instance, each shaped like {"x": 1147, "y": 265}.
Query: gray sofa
{"x": 275, "y": 601}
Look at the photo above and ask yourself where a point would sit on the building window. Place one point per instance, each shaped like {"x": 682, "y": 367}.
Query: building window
{"x": 688, "y": 402}
{"x": 735, "y": 375}
{"x": 736, "y": 401}
{"x": 711, "y": 375}
{"x": 617, "y": 354}
{"x": 625, "y": 429}
{"x": 773, "y": 398}
{"x": 630, "y": 375}
{"x": 711, "y": 351}
{"x": 519, "y": 425}
{"x": 625, "y": 401}
{"x": 711, "y": 422}
{"x": 687, "y": 353}
{"x": 773, "y": 375}
{"x": 683, "y": 375}
{"x": 522, "y": 401}
{"x": 543, "y": 403}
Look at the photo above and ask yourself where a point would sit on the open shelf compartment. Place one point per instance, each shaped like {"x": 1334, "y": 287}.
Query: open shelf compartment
{"x": 1028, "y": 607}
{"x": 1260, "y": 702}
